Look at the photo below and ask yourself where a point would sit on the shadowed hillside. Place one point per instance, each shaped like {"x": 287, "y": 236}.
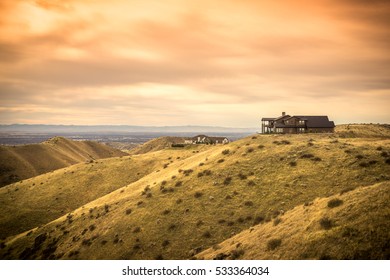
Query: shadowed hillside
{"x": 352, "y": 225}
{"x": 26, "y": 161}
{"x": 193, "y": 202}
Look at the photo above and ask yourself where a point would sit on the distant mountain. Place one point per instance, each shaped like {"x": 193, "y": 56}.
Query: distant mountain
{"x": 42, "y": 128}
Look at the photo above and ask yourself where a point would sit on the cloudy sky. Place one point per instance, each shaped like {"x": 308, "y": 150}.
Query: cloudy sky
{"x": 200, "y": 62}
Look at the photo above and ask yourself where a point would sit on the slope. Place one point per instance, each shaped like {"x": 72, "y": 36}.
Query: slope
{"x": 26, "y": 161}
{"x": 39, "y": 200}
{"x": 157, "y": 144}
{"x": 204, "y": 199}
{"x": 352, "y": 225}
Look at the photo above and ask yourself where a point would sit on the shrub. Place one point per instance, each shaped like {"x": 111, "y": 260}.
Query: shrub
{"x": 242, "y": 176}
{"x": 364, "y": 164}
{"x": 230, "y": 223}
{"x": 199, "y": 223}
{"x": 334, "y": 202}
{"x": 136, "y": 229}
{"x": 227, "y": 181}
{"x": 286, "y": 142}
{"x": 359, "y": 157}
{"x": 198, "y": 194}
{"x": 200, "y": 174}
{"x": 187, "y": 172}
{"x": 379, "y": 148}
{"x": 326, "y": 223}
{"x": 273, "y": 244}
{"x": 106, "y": 208}
{"x": 225, "y": 152}
{"x": 228, "y": 196}
{"x": 384, "y": 154}
{"x": 149, "y": 195}
{"x": 387, "y": 161}
{"x": 207, "y": 172}
{"x": 307, "y": 156}
{"x": 221, "y": 221}
{"x": 165, "y": 243}
{"x": 248, "y": 203}
{"x": 316, "y": 159}
{"x": 163, "y": 183}
{"x": 92, "y": 227}
{"x": 259, "y": 219}
{"x": 251, "y": 183}
{"x": 372, "y": 162}
{"x": 261, "y": 146}
{"x": 172, "y": 227}
{"x": 179, "y": 201}
{"x": 293, "y": 163}
{"x": 220, "y": 160}
{"x": 206, "y": 234}
{"x": 249, "y": 150}
{"x": 277, "y": 221}
{"x": 236, "y": 253}
{"x": 254, "y": 137}
{"x": 201, "y": 164}
{"x": 166, "y": 212}
{"x": 178, "y": 184}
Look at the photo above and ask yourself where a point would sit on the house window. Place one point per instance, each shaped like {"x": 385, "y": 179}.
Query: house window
{"x": 301, "y": 130}
{"x": 301, "y": 122}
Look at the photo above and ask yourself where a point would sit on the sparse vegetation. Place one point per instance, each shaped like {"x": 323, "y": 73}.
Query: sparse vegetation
{"x": 334, "y": 202}
{"x": 226, "y": 152}
{"x": 274, "y": 243}
{"x": 326, "y": 223}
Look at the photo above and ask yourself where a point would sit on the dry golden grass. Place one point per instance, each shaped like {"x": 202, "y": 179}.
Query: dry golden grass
{"x": 356, "y": 229}
{"x": 208, "y": 196}
{"x": 26, "y": 161}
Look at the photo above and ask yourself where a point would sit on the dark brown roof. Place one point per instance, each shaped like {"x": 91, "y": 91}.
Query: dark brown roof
{"x": 317, "y": 121}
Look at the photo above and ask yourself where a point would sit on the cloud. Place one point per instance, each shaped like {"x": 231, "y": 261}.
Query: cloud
{"x": 205, "y": 61}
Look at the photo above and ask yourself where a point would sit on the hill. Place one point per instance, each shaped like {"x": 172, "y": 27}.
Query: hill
{"x": 36, "y": 201}
{"x": 26, "y": 161}
{"x": 207, "y": 197}
{"x": 363, "y": 130}
{"x": 352, "y": 225}
{"x": 157, "y": 144}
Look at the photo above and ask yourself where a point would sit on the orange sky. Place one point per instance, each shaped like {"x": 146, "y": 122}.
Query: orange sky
{"x": 175, "y": 62}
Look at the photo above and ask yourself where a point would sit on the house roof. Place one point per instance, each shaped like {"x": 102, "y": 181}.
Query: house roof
{"x": 317, "y": 121}
{"x": 268, "y": 119}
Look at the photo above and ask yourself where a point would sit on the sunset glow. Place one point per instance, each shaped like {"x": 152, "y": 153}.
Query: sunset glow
{"x": 173, "y": 62}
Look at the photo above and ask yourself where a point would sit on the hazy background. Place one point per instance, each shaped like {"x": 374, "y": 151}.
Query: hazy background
{"x": 219, "y": 63}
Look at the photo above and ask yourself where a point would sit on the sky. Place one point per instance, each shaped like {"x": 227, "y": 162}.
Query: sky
{"x": 195, "y": 62}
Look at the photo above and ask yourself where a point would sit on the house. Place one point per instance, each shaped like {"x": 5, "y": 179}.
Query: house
{"x": 297, "y": 124}
{"x": 204, "y": 139}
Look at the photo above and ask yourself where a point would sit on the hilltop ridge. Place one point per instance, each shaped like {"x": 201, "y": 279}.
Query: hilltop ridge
{"x": 26, "y": 161}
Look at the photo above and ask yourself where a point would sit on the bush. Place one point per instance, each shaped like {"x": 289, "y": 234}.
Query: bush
{"x": 273, "y": 244}
{"x": 259, "y": 219}
{"x": 248, "y": 203}
{"x": 277, "y": 221}
{"x": 387, "y": 161}
{"x": 307, "y": 156}
{"x": 136, "y": 229}
{"x": 187, "y": 172}
{"x": 251, "y": 183}
{"x": 334, "y": 202}
{"x": 166, "y": 212}
{"x": 249, "y": 150}
{"x": 179, "y": 201}
{"x": 261, "y": 146}
{"x": 227, "y": 181}
{"x": 359, "y": 157}
{"x": 316, "y": 159}
{"x": 92, "y": 227}
{"x": 326, "y": 223}
{"x": 236, "y": 253}
{"x": 165, "y": 243}
{"x": 293, "y": 163}
{"x": 207, "y": 234}
{"x": 198, "y": 194}
{"x": 226, "y": 152}
{"x": 384, "y": 154}
{"x": 242, "y": 176}
{"x": 220, "y": 160}
{"x": 178, "y": 184}
{"x": 254, "y": 137}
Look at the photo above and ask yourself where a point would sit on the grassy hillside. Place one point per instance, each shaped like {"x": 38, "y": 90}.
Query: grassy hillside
{"x": 210, "y": 196}
{"x": 363, "y": 130}
{"x": 26, "y": 161}
{"x": 352, "y": 225}
{"x": 156, "y": 145}
{"x": 39, "y": 200}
